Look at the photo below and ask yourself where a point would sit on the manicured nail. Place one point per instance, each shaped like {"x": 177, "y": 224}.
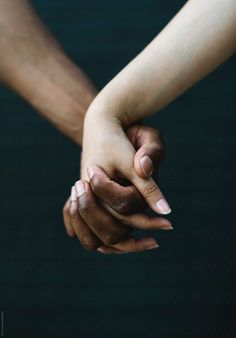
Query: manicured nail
{"x": 163, "y": 207}
{"x": 146, "y": 165}
{"x": 79, "y": 188}
{"x": 73, "y": 194}
{"x": 90, "y": 171}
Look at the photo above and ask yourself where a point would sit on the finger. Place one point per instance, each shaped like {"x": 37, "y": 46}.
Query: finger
{"x": 87, "y": 238}
{"x": 150, "y": 149}
{"x": 150, "y": 192}
{"x": 109, "y": 230}
{"x": 124, "y": 200}
{"x": 144, "y": 222}
{"x": 66, "y": 218}
{"x": 109, "y": 250}
{"x": 143, "y": 164}
{"x": 150, "y": 152}
{"x": 140, "y": 221}
{"x": 137, "y": 245}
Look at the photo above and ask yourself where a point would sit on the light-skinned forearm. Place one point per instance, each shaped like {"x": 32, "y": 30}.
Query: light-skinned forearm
{"x": 199, "y": 38}
{"x": 34, "y": 65}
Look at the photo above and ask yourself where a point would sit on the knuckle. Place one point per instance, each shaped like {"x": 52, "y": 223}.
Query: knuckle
{"x": 149, "y": 190}
{"x": 123, "y": 207}
{"x": 130, "y": 204}
{"x": 96, "y": 183}
{"x": 84, "y": 208}
{"x": 86, "y": 205}
{"x": 110, "y": 238}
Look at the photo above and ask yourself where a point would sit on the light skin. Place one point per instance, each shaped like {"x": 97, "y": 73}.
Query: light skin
{"x": 101, "y": 185}
{"x": 199, "y": 38}
{"x": 33, "y": 64}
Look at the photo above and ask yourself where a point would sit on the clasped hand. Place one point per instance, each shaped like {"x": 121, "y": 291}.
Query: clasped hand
{"x": 110, "y": 199}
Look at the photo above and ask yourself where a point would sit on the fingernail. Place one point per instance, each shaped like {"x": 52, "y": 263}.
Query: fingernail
{"x": 73, "y": 194}
{"x": 100, "y": 250}
{"x": 79, "y": 188}
{"x": 90, "y": 171}
{"x": 153, "y": 246}
{"x": 146, "y": 165}
{"x": 169, "y": 227}
{"x": 163, "y": 207}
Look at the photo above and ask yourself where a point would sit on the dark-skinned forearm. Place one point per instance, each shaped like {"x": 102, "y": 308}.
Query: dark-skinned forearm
{"x": 33, "y": 64}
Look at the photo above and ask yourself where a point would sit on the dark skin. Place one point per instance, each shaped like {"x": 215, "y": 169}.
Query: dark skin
{"x": 118, "y": 213}
{"x": 62, "y": 93}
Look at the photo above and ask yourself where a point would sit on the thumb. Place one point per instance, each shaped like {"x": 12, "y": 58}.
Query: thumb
{"x": 151, "y": 194}
{"x": 147, "y": 159}
{"x": 150, "y": 151}
{"x": 143, "y": 164}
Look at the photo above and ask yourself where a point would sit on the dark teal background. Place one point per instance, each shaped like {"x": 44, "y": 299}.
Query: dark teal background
{"x": 50, "y": 287}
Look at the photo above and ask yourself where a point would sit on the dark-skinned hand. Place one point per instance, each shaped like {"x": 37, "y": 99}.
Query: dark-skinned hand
{"x": 104, "y": 216}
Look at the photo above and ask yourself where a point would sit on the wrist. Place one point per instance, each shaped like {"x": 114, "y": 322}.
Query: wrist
{"x": 110, "y": 106}
{"x": 124, "y": 99}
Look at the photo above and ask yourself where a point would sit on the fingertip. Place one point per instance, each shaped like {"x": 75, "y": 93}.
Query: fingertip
{"x": 162, "y": 207}
{"x": 80, "y": 188}
{"x": 70, "y": 232}
{"x": 146, "y": 166}
{"x": 149, "y": 243}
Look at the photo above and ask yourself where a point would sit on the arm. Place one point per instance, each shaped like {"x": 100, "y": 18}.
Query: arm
{"x": 200, "y": 37}
{"x": 34, "y": 65}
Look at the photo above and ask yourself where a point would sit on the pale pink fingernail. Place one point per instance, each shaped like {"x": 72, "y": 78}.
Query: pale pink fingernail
{"x": 153, "y": 246}
{"x": 146, "y": 165}
{"x": 167, "y": 227}
{"x": 79, "y": 188}
{"x": 90, "y": 171}
{"x": 163, "y": 207}
{"x": 73, "y": 194}
{"x": 101, "y": 250}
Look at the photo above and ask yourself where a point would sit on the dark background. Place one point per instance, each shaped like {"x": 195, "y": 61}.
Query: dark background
{"x": 50, "y": 287}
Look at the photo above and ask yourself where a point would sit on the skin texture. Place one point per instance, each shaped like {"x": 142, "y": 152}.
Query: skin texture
{"x": 177, "y": 58}
{"x": 109, "y": 234}
{"x": 62, "y": 93}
